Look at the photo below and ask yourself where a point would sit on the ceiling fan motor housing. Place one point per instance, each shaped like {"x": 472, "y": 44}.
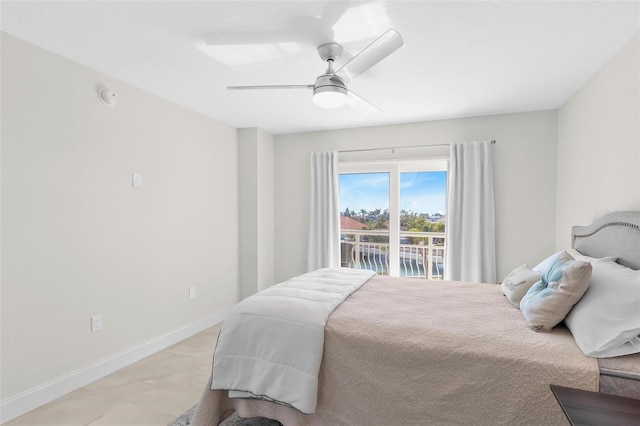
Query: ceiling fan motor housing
{"x": 330, "y": 51}
{"x": 329, "y": 83}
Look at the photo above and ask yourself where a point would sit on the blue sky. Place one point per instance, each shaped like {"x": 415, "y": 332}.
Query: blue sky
{"x": 420, "y": 192}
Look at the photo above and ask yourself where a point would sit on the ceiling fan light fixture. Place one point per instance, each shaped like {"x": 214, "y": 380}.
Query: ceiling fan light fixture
{"x": 330, "y": 97}
{"x": 329, "y": 92}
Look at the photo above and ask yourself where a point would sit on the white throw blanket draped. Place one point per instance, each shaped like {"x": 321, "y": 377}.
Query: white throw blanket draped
{"x": 270, "y": 347}
{"x": 324, "y": 211}
{"x": 470, "y": 233}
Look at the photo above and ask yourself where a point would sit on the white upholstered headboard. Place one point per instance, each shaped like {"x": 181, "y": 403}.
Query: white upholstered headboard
{"x": 614, "y": 234}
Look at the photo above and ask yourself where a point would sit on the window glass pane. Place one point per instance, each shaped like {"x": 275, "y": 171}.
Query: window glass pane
{"x": 422, "y": 223}
{"x": 424, "y": 192}
{"x": 364, "y": 221}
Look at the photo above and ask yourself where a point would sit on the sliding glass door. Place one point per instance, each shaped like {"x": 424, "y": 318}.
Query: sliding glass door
{"x": 423, "y": 197}
{"x": 393, "y": 217}
{"x": 365, "y": 225}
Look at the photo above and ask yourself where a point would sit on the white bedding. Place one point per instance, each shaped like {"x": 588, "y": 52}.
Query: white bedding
{"x": 270, "y": 347}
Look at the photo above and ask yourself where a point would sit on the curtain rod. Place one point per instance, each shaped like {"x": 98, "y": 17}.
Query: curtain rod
{"x": 493, "y": 141}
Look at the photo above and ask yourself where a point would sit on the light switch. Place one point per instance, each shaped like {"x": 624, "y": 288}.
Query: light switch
{"x": 137, "y": 180}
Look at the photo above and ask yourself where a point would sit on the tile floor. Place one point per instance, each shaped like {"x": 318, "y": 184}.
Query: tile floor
{"x": 153, "y": 391}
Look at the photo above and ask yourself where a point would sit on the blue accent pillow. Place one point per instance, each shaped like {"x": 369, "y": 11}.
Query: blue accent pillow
{"x": 561, "y": 286}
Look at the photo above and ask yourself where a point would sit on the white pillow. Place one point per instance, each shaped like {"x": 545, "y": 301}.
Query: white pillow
{"x": 579, "y": 256}
{"x": 544, "y": 266}
{"x": 606, "y": 322}
{"x": 518, "y": 282}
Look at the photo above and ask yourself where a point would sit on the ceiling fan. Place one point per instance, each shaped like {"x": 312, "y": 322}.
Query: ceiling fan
{"x": 330, "y": 89}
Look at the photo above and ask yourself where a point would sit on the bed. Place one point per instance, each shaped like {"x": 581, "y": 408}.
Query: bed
{"x": 404, "y": 351}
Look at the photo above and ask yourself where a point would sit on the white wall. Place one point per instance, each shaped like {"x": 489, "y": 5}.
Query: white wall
{"x": 599, "y": 145}
{"x": 78, "y": 240}
{"x": 248, "y": 210}
{"x": 266, "y": 210}
{"x": 524, "y": 180}
{"x": 256, "y": 180}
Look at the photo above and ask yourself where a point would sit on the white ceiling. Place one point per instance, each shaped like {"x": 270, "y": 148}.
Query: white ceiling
{"x": 460, "y": 59}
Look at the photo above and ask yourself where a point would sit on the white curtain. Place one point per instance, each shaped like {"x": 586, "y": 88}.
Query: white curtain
{"x": 470, "y": 232}
{"x": 324, "y": 220}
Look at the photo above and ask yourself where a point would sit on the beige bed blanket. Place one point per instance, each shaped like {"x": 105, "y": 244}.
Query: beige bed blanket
{"x": 413, "y": 352}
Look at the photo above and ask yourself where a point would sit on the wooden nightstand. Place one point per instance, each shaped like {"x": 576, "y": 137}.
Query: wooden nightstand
{"x": 597, "y": 409}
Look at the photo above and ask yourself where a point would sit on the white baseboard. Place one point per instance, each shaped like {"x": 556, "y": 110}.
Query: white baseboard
{"x": 47, "y": 392}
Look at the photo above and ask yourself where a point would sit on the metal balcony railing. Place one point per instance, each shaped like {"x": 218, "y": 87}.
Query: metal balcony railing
{"x": 421, "y": 253}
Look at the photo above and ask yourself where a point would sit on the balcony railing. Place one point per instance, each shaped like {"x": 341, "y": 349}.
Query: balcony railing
{"x": 421, "y": 253}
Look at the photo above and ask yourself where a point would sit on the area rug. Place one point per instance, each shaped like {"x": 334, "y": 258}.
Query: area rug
{"x": 233, "y": 420}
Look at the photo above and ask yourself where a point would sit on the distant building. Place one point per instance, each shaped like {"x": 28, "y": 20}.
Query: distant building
{"x": 350, "y": 223}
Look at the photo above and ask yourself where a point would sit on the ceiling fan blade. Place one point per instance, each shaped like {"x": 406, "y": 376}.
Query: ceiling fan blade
{"x": 361, "y": 104}
{"x": 272, "y": 86}
{"x": 381, "y": 47}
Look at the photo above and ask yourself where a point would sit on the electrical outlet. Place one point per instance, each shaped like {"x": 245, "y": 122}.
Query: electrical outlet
{"x": 96, "y": 323}
{"x": 192, "y": 292}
